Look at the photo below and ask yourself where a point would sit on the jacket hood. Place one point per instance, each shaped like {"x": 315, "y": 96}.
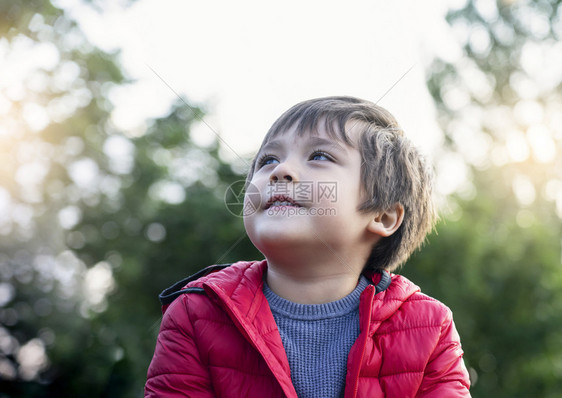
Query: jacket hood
{"x": 389, "y": 301}
{"x": 236, "y": 280}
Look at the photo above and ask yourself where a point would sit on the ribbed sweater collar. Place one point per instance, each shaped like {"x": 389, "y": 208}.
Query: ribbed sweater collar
{"x": 332, "y": 309}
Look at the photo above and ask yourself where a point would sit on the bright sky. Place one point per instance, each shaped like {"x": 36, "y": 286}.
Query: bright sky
{"x": 248, "y": 61}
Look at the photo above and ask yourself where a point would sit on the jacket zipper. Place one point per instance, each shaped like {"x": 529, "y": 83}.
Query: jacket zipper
{"x": 364, "y": 342}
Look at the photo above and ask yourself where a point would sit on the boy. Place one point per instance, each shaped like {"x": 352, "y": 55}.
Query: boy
{"x": 337, "y": 198}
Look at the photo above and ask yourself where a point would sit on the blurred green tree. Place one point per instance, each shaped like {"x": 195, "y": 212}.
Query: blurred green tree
{"x": 169, "y": 221}
{"x": 499, "y": 96}
{"x": 94, "y": 223}
{"x": 496, "y": 259}
{"x": 498, "y": 267}
{"x": 54, "y": 112}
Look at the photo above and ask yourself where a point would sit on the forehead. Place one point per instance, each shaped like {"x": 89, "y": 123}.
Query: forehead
{"x": 320, "y": 131}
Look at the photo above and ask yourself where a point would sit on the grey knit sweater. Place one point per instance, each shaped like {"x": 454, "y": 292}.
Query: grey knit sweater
{"x": 317, "y": 339}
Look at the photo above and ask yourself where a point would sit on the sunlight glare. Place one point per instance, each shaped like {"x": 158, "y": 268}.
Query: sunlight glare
{"x": 32, "y": 174}
{"x": 517, "y": 146}
{"x": 524, "y": 190}
{"x": 32, "y": 359}
{"x": 35, "y": 116}
{"x": 69, "y": 216}
{"x": 98, "y": 282}
{"x": 528, "y": 112}
{"x": 542, "y": 144}
{"x": 120, "y": 151}
{"x": 84, "y": 173}
{"x": 452, "y": 173}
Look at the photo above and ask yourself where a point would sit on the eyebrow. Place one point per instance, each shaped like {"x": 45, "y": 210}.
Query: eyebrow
{"x": 319, "y": 141}
{"x": 273, "y": 144}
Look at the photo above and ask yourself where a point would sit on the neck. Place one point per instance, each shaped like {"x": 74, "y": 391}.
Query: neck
{"x": 305, "y": 276}
{"x": 312, "y": 286}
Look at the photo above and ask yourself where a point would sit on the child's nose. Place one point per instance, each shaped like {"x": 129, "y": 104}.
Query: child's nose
{"x": 283, "y": 173}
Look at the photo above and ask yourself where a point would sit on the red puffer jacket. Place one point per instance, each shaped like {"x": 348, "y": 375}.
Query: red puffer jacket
{"x": 218, "y": 338}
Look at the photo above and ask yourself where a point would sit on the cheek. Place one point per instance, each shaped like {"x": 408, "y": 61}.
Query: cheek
{"x": 252, "y": 200}
{"x": 345, "y": 197}
{"x": 250, "y": 227}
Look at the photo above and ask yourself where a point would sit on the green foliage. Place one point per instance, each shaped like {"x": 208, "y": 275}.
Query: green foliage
{"x": 191, "y": 234}
{"x": 15, "y": 16}
{"x": 41, "y": 278}
{"x": 497, "y": 259}
{"x": 89, "y": 244}
{"x": 502, "y": 281}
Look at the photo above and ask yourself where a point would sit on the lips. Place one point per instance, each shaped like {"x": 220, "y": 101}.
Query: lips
{"x": 281, "y": 200}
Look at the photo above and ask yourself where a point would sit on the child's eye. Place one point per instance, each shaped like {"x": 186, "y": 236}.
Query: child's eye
{"x": 266, "y": 159}
{"x": 320, "y": 155}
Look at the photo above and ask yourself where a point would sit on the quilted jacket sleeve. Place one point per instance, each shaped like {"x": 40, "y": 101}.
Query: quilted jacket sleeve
{"x": 176, "y": 369}
{"x": 446, "y": 374}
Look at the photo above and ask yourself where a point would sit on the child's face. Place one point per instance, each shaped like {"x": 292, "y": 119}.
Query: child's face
{"x": 309, "y": 194}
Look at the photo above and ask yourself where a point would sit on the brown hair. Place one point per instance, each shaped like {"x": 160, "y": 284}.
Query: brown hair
{"x": 393, "y": 170}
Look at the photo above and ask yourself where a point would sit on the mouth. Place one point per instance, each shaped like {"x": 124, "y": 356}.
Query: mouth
{"x": 281, "y": 201}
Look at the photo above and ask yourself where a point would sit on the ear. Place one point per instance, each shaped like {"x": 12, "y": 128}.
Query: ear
{"x": 385, "y": 223}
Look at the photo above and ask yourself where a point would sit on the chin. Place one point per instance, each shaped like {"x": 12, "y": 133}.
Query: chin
{"x": 278, "y": 238}
{"x": 274, "y": 240}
